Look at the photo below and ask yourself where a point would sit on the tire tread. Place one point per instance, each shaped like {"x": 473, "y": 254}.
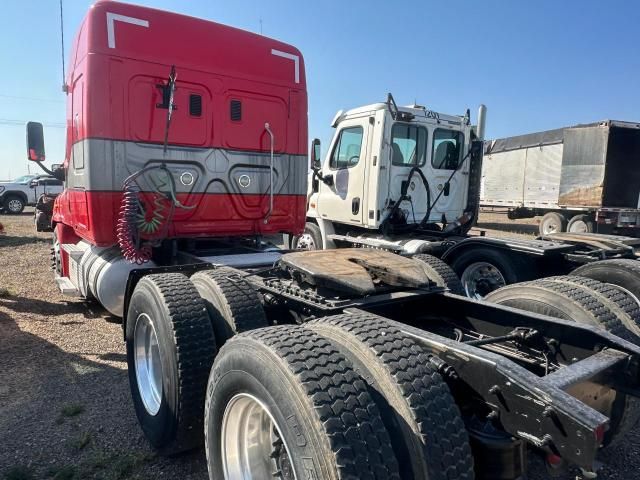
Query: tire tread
{"x": 195, "y": 351}
{"x": 350, "y": 419}
{"x": 435, "y": 416}
{"x": 447, "y": 277}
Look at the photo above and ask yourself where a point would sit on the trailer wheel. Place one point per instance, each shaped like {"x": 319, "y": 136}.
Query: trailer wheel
{"x": 232, "y": 303}
{"x": 311, "y": 238}
{"x": 170, "y": 350}
{"x": 483, "y": 270}
{"x": 283, "y": 403}
{"x": 552, "y": 222}
{"x": 622, "y": 272}
{"x": 581, "y": 224}
{"x": 428, "y": 435}
{"x": 577, "y": 303}
{"x": 441, "y": 273}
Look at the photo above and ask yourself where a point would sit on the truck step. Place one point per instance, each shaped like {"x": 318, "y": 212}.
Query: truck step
{"x": 74, "y": 251}
{"x": 66, "y": 287}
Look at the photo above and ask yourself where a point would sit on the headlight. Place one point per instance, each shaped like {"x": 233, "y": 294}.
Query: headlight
{"x": 1, "y": 189}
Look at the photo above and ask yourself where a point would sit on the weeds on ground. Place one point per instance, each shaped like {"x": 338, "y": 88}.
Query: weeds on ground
{"x": 117, "y": 466}
{"x": 68, "y": 411}
{"x": 80, "y": 442}
{"x": 6, "y": 292}
{"x": 72, "y": 410}
{"x": 19, "y": 473}
{"x": 68, "y": 472}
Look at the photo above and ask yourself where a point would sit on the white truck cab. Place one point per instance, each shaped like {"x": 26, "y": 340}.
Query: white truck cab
{"x": 390, "y": 166}
{"x": 407, "y": 180}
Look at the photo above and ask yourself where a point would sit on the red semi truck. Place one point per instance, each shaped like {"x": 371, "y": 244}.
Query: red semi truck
{"x": 186, "y": 145}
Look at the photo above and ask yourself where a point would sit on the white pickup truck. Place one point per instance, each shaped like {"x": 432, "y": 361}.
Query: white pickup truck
{"x": 25, "y": 190}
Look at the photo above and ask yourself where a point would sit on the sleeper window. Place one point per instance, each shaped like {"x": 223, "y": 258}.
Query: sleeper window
{"x": 408, "y": 144}
{"x": 447, "y": 149}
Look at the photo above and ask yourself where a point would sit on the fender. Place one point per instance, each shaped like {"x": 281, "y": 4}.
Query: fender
{"x": 538, "y": 248}
{"x": 15, "y": 193}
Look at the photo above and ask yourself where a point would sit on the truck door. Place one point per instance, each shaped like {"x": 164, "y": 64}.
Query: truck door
{"x": 347, "y": 166}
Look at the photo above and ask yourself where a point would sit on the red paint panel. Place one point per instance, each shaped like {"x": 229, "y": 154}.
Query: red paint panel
{"x": 192, "y": 42}
{"x": 214, "y": 60}
{"x": 147, "y": 122}
{"x": 215, "y": 215}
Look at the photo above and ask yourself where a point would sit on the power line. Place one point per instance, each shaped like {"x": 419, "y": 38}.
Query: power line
{"x": 22, "y": 123}
{"x": 34, "y": 99}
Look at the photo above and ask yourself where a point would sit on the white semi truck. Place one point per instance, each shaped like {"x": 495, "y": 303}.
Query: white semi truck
{"x": 408, "y": 179}
{"x": 579, "y": 179}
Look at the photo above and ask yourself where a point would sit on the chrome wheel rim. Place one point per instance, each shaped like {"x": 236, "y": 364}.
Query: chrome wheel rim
{"x": 15, "y": 205}
{"x": 481, "y": 278}
{"x": 252, "y": 444}
{"x": 578, "y": 227}
{"x": 57, "y": 264}
{"x": 148, "y": 364}
{"x": 551, "y": 226}
{"x": 305, "y": 242}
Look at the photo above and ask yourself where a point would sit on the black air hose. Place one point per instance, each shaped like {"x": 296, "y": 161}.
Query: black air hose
{"x": 403, "y": 197}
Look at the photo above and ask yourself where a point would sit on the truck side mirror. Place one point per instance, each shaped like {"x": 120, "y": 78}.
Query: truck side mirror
{"x": 35, "y": 142}
{"x": 315, "y": 154}
{"x": 33, "y": 183}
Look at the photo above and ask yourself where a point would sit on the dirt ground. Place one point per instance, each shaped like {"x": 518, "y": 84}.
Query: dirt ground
{"x": 65, "y": 407}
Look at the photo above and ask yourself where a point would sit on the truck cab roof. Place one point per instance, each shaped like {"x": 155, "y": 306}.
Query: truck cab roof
{"x": 421, "y": 114}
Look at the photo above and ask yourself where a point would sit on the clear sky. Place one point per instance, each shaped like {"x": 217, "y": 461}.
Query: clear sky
{"x": 536, "y": 64}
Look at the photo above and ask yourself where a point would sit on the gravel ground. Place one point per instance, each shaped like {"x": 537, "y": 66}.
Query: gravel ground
{"x": 65, "y": 407}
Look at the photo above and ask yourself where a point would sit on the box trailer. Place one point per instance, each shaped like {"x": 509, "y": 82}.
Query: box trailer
{"x": 583, "y": 178}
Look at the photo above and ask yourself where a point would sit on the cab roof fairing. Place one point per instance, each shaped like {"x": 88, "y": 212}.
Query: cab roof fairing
{"x": 421, "y": 115}
{"x": 147, "y": 34}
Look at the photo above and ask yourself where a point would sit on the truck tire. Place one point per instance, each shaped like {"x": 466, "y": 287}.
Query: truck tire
{"x": 577, "y": 303}
{"x": 552, "y": 222}
{"x": 170, "y": 350}
{"x": 290, "y": 394}
{"x": 621, "y": 302}
{"x": 562, "y": 300}
{"x": 311, "y": 238}
{"x": 581, "y": 224}
{"x": 483, "y": 270}
{"x": 232, "y": 303}
{"x": 441, "y": 273}
{"x": 14, "y": 204}
{"x": 428, "y": 435}
{"x": 622, "y": 272}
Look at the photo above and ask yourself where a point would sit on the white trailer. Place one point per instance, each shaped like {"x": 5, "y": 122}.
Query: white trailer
{"x": 581, "y": 179}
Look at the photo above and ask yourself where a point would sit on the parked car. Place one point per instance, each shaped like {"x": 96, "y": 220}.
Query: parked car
{"x": 26, "y": 190}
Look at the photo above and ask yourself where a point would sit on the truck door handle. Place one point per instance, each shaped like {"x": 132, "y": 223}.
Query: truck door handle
{"x": 355, "y": 205}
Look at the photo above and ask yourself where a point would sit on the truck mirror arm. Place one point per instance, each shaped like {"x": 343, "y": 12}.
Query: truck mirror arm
{"x": 57, "y": 173}
{"x": 326, "y": 179}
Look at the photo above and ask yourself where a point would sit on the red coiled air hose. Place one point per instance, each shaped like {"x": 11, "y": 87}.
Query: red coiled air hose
{"x": 126, "y": 229}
